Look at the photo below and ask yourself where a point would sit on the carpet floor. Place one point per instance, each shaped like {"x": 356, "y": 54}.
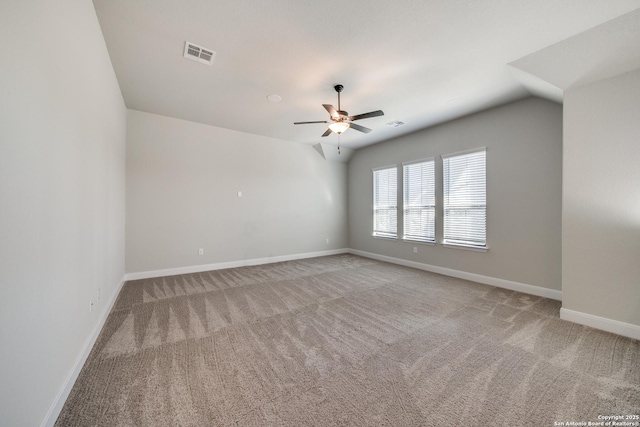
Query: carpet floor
{"x": 345, "y": 340}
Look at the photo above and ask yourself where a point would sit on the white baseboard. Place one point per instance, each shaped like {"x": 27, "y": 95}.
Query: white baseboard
{"x": 55, "y": 408}
{"x": 229, "y": 264}
{"x": 493, "y": 281}
{"x": 602, "y": 323}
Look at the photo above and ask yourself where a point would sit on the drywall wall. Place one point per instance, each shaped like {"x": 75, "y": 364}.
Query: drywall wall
{"x": 62, "y": 192}
{"x": 183, "y": 180}
{"x": 524, "y": 173}
{"x": 601, "y": 199}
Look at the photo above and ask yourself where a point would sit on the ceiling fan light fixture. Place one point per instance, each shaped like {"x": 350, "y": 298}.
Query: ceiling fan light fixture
{"x": 339, "y": 127}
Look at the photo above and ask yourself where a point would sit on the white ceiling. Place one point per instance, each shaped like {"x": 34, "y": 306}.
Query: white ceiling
{"x": 600, "y": 52}
{"x": 420, "y": 61}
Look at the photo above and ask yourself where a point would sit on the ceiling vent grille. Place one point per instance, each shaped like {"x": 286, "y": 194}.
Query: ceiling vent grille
{"x": 395, "y": 123}
{"x": 199, "y": 53}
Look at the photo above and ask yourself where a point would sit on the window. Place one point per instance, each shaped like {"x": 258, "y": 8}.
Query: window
{"x": 385, "y": 207}
{"x": 465, "y": 198}
{"x": 419, "y": 201}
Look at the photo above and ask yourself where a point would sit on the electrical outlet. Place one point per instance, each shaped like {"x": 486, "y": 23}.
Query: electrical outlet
{"x": 327, "y": 241}
{"x": 90, "y": 305}
{"x": 200, "y": 251}
{"x": 239, "y": 193}
{"x": 415, "y": 249}
{"x": 98, "y": 294}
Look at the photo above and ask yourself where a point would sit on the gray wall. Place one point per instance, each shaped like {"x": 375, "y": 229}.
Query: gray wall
{"x": 524, "y": 182}
{"x": 62, "y": 195}
{"x": 182, "y": 184}
{"x": 601, "y": 199}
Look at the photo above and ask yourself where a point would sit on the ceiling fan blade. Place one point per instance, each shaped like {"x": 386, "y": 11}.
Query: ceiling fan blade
{"x": 367, "y": 115}
{"x": 360, "y": 128}
{"x": 306, "y": 123}
{"x": 332, "y": 111}
{"x": 327, "y": 133}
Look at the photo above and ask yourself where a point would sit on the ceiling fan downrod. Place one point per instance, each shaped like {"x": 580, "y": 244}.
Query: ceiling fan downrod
{"x": 339, "y": 89}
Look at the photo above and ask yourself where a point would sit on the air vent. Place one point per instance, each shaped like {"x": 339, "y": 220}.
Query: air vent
{"x": 199, "y": 53}
{"x": 395, "y": 123}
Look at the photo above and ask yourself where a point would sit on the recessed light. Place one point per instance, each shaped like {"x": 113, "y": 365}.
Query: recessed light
{"x": 274, "y": 98}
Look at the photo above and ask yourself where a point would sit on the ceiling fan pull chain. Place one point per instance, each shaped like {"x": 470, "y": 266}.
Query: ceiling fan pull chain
{"x": 338, "y": 138}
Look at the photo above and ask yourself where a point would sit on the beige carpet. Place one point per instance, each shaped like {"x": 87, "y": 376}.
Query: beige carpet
{"x": 344, "y": 340}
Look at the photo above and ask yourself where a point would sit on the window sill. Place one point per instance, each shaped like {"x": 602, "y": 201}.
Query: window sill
{"x": 465, "y": 248}
{"x": 384, "y": 237}
{"x": 420, "y": 242}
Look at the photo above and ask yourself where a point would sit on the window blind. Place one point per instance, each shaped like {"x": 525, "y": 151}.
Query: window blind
{"x": 385, "y": 207}
{"x": 419, "y": 201}
{"x": 465, "y": 198}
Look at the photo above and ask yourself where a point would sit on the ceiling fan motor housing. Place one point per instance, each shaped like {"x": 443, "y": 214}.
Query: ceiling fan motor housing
{"x": 342, "y": 114}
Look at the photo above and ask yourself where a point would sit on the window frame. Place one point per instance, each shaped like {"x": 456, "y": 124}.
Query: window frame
{"x": 376, "y": 233}
{"x": 406, "y": 206}
{"x": 449, "y": 243}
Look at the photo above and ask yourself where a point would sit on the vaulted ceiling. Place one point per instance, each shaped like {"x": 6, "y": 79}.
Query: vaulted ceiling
{"x": 422, "y": 62}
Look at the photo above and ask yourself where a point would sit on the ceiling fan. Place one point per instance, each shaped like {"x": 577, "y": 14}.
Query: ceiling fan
{"x": 340, "y": 120}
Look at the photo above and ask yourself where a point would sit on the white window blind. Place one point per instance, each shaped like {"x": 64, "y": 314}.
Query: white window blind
{"x": 465, "y": 198}
{"x": 385, "y": 206}
{"x": 419, "y": 201}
